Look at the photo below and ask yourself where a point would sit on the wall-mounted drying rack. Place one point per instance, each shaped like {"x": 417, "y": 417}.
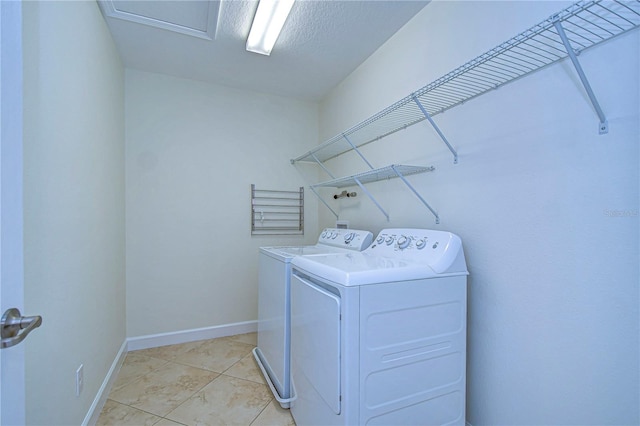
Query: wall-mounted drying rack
{"x": 277, "y": 212}
{"x": 567, "y": 33}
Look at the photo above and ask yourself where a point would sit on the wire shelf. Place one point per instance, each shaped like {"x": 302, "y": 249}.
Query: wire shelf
{"x": 388, "y": 172}
{"x": 586, "y": 23}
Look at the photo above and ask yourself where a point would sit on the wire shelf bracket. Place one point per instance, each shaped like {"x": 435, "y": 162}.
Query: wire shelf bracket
{"x": 436, "y": 128}
{"x": 371, "y": 197}
{"x": 604, "y": 125}
{"x": 358, "y": 151}
{"x": 375, "y": 175}
{"x": 416, "y": 193}
{"x": 323, "y": 201}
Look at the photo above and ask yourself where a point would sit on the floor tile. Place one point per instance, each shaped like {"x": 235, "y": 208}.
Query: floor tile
{"x": 214, "y": 355}
{"x": 247, "y": 369}
{"x": 248, "y": 338}
{"x": 162, "y": 390}
{"x": 115, "y": 413}
{"x": 167, "y": 422}
{"x": 169, "y": 352}
{"x": 134, "y": 367}
{"x": 179, "y": 385}
{"x": 224, "y": 401}
{"x": 274, "y": 415}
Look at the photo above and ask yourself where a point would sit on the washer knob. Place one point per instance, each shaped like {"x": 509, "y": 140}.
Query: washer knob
{"x": 334, "y": 234}
{"x": 403, "y": 242}
{"x": 420, "y": 244}
{"x": 389, "y": 240}
{"x": 380, "y": 239}
{"x": 348, "y": 237}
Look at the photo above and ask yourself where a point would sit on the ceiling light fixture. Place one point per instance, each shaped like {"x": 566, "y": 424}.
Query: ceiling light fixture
{"x": 267, "y": 24}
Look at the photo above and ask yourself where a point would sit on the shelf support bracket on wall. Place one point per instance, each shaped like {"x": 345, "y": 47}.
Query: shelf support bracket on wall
{"x": 406, "y": 182}
{"x": 323, "y": 167}
{"x": 357, "y": 151}
{"x": 323, "y": 201}
{"x": 435, "y": 126}
{"x": 604, "y": 125}
{"x": 371, "y": 197}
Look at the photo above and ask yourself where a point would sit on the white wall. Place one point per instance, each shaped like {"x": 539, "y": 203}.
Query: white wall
{"x": 193, "y": 151}
{"x": 73, "y": 206}
{"x": 553, "y": 291}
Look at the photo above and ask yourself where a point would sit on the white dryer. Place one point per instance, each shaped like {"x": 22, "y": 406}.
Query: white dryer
{"x": 379, "y": 337}
{"x": 274, "y": 312}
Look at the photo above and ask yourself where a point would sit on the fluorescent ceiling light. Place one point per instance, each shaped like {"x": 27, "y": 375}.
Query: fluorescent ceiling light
{"x": 267, "y": 24}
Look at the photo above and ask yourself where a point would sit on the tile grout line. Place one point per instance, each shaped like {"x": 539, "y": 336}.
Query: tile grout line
{"x": 188, "y": 398}
{"x": 263, "y": 409}
{"x": 172, "y": 360}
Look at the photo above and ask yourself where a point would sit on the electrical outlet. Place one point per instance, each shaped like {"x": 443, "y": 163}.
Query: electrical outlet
{"x": 79, "y": 379}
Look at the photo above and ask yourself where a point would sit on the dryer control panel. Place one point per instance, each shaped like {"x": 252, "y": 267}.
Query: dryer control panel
{"x": 346, "y": 238}
{"x": 441, "y": 250}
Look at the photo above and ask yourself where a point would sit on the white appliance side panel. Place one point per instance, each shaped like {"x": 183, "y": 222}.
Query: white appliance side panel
{"x": 318, "y": 314}
{"x": 315, "y": 348}
{"x": 435, "y": 411}
{"x": 413, "y": 352}
{"x": 274, "y": 319}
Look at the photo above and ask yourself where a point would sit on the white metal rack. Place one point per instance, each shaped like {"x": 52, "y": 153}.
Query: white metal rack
{"x": 277, "y": 212}
{"x": 567, "y": 33}
{"x": 374, "y": 175}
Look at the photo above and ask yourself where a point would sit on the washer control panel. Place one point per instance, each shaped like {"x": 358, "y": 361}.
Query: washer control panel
{"x": 439, "y": 249}
{"x": 410, "y": 239}
{"x": 346, "y": 238}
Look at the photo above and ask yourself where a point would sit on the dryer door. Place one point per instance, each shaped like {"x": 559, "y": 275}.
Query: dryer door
{"x": 315, "y": 341}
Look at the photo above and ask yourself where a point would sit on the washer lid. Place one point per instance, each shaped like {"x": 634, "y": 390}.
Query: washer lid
{"x": 351, "y": 269}
{"x": 293, "y": 251}
{"x": 397, "y": 254}
{"x": 331, "y": 240}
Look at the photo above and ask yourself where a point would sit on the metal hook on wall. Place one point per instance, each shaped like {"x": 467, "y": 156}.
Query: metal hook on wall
{"x": 344, "y": 194}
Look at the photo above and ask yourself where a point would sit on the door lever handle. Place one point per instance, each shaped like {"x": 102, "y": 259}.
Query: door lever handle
{"x": 15, "y": 327}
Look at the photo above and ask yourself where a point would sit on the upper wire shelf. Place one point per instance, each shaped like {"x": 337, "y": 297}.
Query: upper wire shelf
{"x": 586, "y": 24}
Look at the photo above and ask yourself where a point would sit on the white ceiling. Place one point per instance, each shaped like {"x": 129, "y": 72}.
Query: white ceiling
{"x": 322, "y": 41}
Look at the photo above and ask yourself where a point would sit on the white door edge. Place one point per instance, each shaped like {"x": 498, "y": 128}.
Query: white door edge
{"x": 12, "y": 360}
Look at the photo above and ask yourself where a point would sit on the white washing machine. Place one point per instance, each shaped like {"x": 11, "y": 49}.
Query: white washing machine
{"x": 379, "y": 337}
{"x": 274, "y": 298}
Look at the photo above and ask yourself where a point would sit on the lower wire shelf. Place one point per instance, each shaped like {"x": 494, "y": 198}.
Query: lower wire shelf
{"x": 374, "y": 175}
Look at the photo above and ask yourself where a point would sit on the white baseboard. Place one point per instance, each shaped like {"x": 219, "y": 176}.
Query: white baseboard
{"x": 177, "y": 337}
{"x": 101, "y": 397}
{"x": 153, "y": 341}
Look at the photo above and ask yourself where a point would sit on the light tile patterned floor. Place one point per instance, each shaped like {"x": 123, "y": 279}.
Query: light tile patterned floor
{"x": 210, "y": 382}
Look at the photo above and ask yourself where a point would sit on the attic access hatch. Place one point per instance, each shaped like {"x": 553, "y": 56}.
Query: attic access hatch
{"x": 195, "y": 18}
